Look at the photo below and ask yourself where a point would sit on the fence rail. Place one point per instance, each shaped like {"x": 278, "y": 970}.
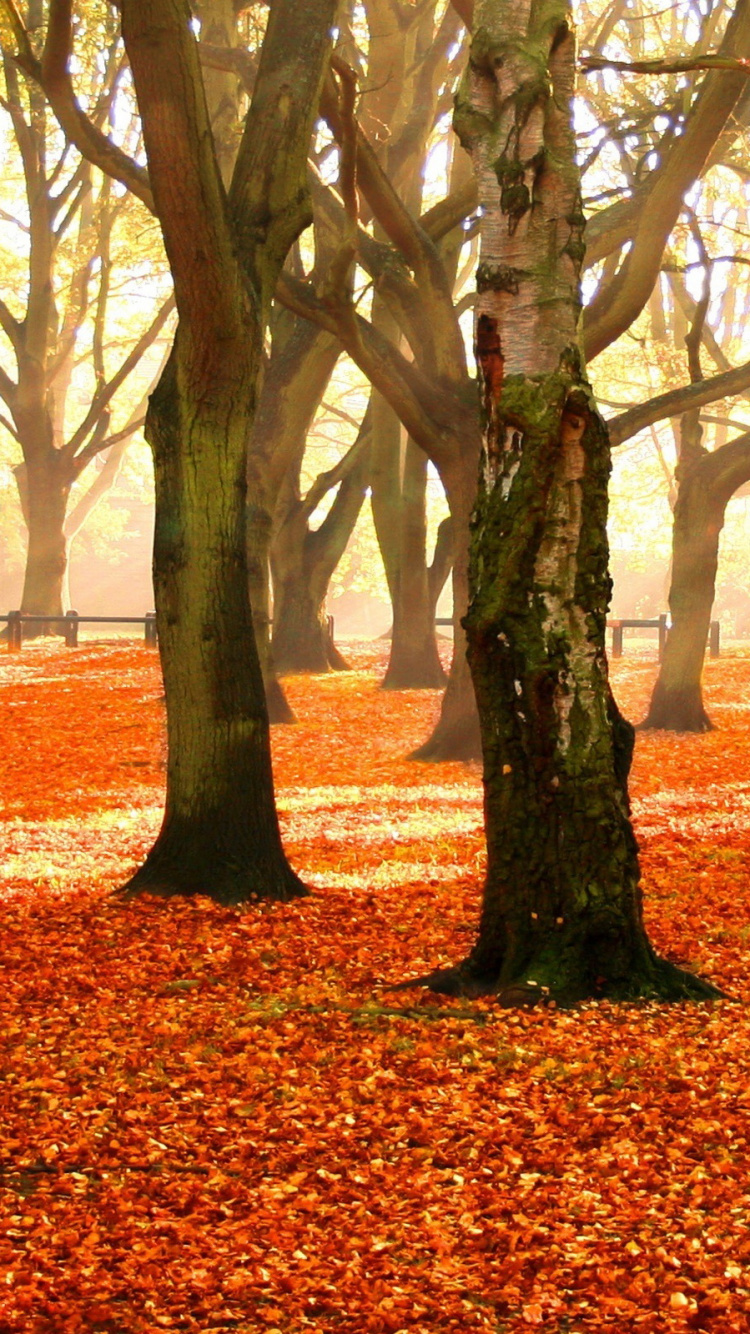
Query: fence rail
{"x": 660, "y": 624}
{"x": 71, "y": 621}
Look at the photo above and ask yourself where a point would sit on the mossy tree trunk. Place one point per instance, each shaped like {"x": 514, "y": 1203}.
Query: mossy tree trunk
{"x": 561, "y": 914}
{"x": 705, "y": 484}
{"x": 220, "y": 833}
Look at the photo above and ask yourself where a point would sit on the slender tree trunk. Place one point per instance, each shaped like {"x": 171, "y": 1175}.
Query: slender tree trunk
{"x": 677, "y": 699}
{"x": 399, "y": 476}
{"x": 300, "y": 629}
{"x": 456, "y": 734}
{"x": 414, "y": 660}
{"x": 399, "y": 481}
{"x": 299, "y": 369}
{"x": 706, "y": 483}
{"x": 301, "y": 642}
{"x": 562, "y": 915}
{"x": 304, "y": 560}
{"x": 259, "y": 530}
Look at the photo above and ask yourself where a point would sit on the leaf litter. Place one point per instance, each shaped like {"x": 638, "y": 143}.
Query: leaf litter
{"x": 221, "y": 1119}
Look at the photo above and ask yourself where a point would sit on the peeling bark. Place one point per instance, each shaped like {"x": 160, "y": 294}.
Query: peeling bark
{"x": 562, "y": 915}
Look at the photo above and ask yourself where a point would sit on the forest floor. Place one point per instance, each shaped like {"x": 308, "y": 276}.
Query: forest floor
{"x": 221, "y": 1120}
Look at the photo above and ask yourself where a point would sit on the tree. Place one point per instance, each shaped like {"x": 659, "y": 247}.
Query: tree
{"x": 704, "y": 482}
{"x": 561, "y": 914}
{"x": 299, "y": 367}
{"x": 71, "y": 225}
{"x": 412, "y": 307}
{"x": 409, "y": 57}
{"x": 303, "y": 559}
{"x": 433, "y": 395}
{"x": 220, "y": 832}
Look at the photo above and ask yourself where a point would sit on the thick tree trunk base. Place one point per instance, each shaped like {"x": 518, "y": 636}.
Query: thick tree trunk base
{"x": 279, "y": 708}
{"x": 336, "y": 661}
{"x": 456, "y": 735}
{"x": 651, "y": 979}
{"x": 677, "y": 709}
{"x": 188, "y": 859}
{"x": 416, "y": 674}
{"x": 452, "y": 739}
{"x": 312, "y": 655}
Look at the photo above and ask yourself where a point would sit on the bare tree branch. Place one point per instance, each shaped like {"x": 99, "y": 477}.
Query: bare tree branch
{"x": 105, "y": 395}
{"x": 677, "y": 401}
{"x": 594, "y": 64}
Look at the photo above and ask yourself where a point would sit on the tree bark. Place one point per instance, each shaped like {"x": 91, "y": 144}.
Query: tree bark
{"x": 220, "y": 833}
{"x": 414, "y": 662}
{"x": 562, "y": 914}
{"x": 258, "y": 531}
{"x": 705, "y": 486}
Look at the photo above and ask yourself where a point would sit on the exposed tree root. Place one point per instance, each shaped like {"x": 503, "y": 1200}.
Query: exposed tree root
{"x": 414, "y": 676}
{"x": 454, "y": 738}
{"x": 279, "y": 708}
{"x": 659, "y": 980}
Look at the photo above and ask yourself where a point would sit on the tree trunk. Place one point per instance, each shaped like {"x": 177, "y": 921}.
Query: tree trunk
{"x": 220, "y": 833}
{"x": 298, "y": 370}
{"x": 414, "y": 660}
{"x": 706, "y": 482}
{"x": 300, "y": 626}
{"x": 561, "y": 916}
{"x": 677, "y": 700}
{"x": 303, "y": 560}
{"x": 301, "y": 642}
{"x": 258, "y": 536}
{"x": 44, "y": 492}
{"x": 456, "y": 734}
{"x": 399, "y": 481}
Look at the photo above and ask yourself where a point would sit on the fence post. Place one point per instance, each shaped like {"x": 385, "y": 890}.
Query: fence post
{"x": 71, "y": 629}
{"x": 150, "y": 637}
{"x": 15, "y": 631}
{"x": 617, "y": 639}
{"x": 663, "y": 632}
{"x": 713, "y": 639}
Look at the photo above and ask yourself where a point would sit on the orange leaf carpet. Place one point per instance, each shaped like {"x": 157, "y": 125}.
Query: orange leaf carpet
{"x": 219, "y": 1119}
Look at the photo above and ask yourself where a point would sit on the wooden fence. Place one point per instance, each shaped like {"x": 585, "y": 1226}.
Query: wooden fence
{"x": 70, "y": 622}
{"x": 660, "y": 624}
